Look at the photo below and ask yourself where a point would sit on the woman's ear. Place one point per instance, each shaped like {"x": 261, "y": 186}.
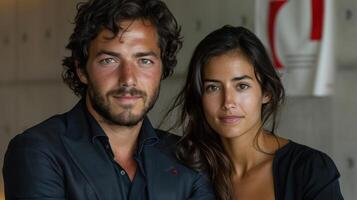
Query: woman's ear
{"x": 266, "y": 97}
{"x": 81, "y": 73}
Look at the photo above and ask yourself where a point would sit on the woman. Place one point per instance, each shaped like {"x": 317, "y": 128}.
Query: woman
{"x": 231, "y": 97}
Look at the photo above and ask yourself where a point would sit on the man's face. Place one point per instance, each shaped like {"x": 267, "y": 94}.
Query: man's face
{"x": 123, "y": 74}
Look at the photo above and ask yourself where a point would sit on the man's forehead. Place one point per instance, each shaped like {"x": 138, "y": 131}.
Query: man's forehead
{"x": 129, "y": 26}
{"x": 139, "y": 35}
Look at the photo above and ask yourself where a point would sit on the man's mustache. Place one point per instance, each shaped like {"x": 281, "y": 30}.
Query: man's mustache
{"x": 122, "y": 91}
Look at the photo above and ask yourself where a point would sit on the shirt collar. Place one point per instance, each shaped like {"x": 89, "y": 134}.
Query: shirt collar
{"x": 147, "y": 135}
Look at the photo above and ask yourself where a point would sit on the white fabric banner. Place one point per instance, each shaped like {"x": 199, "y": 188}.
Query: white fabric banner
{"x": 299, "y": 36}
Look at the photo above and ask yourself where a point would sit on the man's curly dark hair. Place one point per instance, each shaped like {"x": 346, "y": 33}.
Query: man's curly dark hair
{"x": 95, "y": 15}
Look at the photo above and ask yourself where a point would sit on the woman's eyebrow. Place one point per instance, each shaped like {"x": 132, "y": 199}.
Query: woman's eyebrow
{"x": 238, "y": 78}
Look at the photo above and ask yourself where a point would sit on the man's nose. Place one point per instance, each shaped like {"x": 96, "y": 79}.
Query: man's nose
{"x": 127, "y": 75}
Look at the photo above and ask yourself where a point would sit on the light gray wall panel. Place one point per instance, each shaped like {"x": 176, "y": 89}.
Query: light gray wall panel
{"x": 7, "y": 40}
{"x": 308, "y": 120}
{"x": 345, "y": 134}
{"x": 36, "y": 39}
{"x": 169, "y": 89}
{"x": 346, "y": 32}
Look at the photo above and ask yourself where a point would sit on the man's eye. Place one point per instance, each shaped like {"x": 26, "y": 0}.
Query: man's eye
{"x": 146, "y": 61}
{"x": 107, "y": 61}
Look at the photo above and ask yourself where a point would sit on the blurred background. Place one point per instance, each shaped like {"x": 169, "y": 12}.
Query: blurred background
{"x": 33, "y": 35}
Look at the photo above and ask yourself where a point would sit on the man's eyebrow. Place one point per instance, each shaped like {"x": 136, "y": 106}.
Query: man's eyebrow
{"x": 111, "y": 53}
{"x": 148, "y": 53}
{"x": 137, "y": 55}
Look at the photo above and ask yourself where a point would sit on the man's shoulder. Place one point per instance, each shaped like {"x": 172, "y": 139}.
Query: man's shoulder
{"x": 47, "y": 131}
{"x": 51, "y": 129}
{"x": 167, "y": 142}
{"x": 53, "y": 124}
{"x": 165, "y": 152}
{"x": 166, "y": 137}
{"x": 193, "y": 180}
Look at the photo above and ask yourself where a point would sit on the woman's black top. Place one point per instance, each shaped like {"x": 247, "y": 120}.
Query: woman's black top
{"x": 303, "y": 173}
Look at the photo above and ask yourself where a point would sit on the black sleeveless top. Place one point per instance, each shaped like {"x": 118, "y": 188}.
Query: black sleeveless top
{"x": 303, "y": 173}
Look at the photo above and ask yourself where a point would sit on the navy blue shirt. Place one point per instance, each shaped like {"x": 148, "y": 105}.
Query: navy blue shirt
{"x": 128, "y": 189}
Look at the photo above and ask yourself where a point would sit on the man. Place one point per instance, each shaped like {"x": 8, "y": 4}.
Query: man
{"x": 105, "y": 147}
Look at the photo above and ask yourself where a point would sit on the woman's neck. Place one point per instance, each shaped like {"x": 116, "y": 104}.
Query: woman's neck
{"x": 250, "y": 150}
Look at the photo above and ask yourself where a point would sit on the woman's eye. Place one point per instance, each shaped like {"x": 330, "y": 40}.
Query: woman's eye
{"x": 211, "y": 88}
{"x": 107, "y": 61}
{"x": 243, "y": 86}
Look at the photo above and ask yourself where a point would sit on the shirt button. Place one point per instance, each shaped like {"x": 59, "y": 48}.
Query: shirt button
{"x": 122, "y": 172}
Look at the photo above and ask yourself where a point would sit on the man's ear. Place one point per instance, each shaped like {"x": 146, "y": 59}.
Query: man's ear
{"x": 81, "y": 73}
{"x": 266, "y": 97}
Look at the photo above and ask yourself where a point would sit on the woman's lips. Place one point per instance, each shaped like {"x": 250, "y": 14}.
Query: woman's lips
{"x": 231, "y": 119}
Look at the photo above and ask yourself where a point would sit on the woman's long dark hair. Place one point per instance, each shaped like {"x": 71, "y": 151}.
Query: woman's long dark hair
{"x": 200, "y": 147}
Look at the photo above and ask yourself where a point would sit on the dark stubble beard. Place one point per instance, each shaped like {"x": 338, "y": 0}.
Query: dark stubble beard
{"x": 101, "y": 105}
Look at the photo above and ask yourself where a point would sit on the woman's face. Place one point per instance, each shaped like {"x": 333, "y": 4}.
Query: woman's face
{"x": 232, "y": 97}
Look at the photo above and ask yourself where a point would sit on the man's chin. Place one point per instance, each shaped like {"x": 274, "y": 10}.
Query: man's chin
{"x": 126, "y": 119}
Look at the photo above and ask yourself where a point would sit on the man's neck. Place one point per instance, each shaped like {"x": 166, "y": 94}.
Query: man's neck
{"x": 123, "y": 141}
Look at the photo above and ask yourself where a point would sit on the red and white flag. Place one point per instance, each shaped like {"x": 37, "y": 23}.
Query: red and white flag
{"x": 299, "y": 36}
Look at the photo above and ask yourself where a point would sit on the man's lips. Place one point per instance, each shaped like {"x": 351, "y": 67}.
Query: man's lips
{"x": 126, "y": 99}
{"x": 229, "y": 119}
